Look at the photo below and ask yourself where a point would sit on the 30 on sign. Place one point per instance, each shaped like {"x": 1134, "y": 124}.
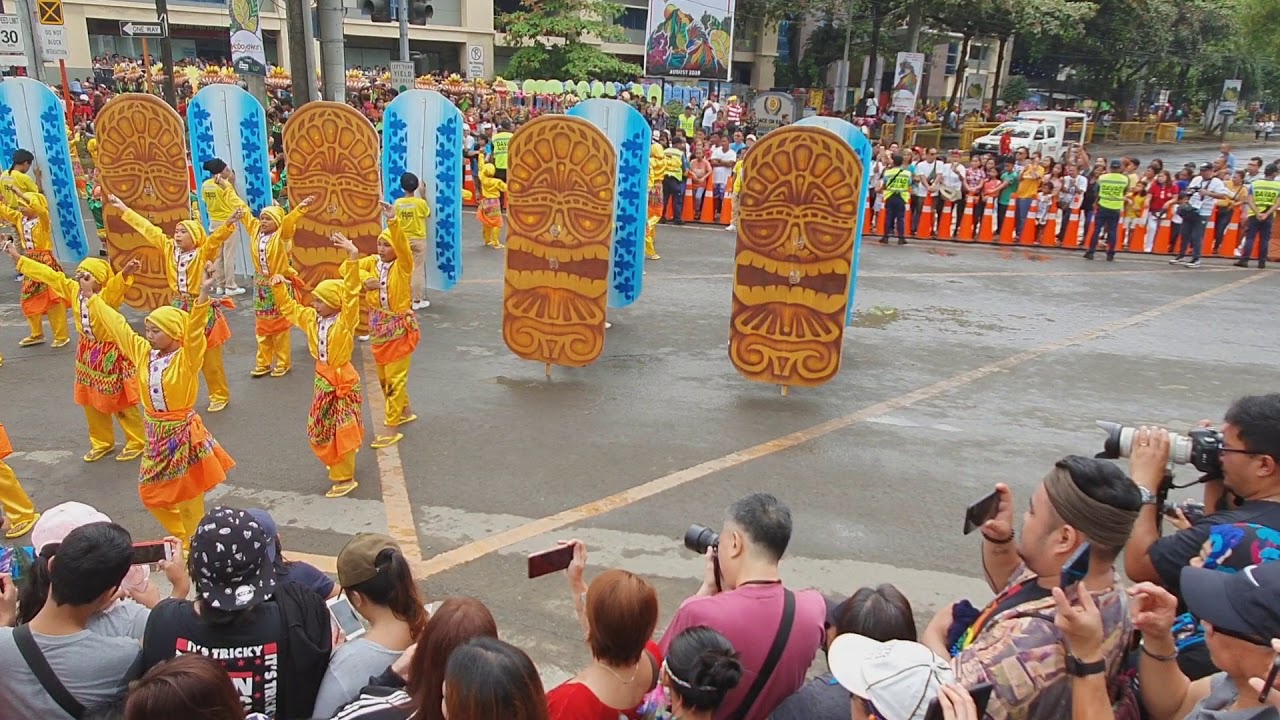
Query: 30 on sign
{"x": 10, "y": 36}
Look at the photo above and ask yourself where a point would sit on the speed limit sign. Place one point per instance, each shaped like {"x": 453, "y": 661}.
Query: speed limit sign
{"x": 11, "y": 36}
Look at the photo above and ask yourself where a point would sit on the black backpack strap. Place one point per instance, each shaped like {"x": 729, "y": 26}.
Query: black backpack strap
{"x": 775, "y": 654}
{"x": 40, "y": 668}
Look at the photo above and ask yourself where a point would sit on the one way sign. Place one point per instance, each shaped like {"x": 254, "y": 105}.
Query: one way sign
{"x": 129, "y": 28}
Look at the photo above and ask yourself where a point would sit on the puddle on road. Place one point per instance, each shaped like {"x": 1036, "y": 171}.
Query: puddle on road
{"x": 941, "y": 251}
{"x": 877, "y": 317}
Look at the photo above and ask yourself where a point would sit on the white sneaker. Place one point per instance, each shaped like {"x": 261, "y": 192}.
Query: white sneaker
{"x": 216, "y": 291}
{"x": 421, "y": 304}
{"x": 1239, "y": 248}
{"x": 362, "y": 338}
{"x": 1177, "y": 261}
{"x": 607, "y": 324}
{"x": 1193, "y": 264}
{"x": 235, "y": 291}
{"x": 729, "y": 228}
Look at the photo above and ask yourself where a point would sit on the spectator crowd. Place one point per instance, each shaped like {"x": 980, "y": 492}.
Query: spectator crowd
{"x": 1097, "y": 612}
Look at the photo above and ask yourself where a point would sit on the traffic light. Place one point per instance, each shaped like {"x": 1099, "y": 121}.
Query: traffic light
{"x": 379, "y": 11}
{"x": 420, "y": 12}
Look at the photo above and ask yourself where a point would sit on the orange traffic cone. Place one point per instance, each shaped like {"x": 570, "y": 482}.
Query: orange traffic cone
{"x": 1071, "y": 238}
{"x": 1049, "y": 231}
{"x": 1138, "y": 235}
{"x": 925, "y": 228}
{"x": 947, "y": 220}
{"x": 1006, "y": 227}
{"x": 987, "y": 233}
{"x": 966, "y": 220}
{"x": 1027, "y": 233}
{"x": 1231, "y": 240}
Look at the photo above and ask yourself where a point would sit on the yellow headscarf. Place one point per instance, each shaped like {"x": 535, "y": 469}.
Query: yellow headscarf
{"x": 329, "y": 292}
{"x": 275, "y": 212}
{"x": 487, "y": 170}
{"x": 196, "y": 230}
{"x": 100, "y": 269}
{"x": 169, "y": 320}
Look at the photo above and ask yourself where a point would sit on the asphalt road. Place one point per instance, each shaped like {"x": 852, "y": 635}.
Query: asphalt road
{"x": 965, "y": 366}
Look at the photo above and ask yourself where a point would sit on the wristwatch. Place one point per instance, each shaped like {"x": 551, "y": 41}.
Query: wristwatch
{"x": 1078, "y": 668}
{"x": 1148, "y": 497}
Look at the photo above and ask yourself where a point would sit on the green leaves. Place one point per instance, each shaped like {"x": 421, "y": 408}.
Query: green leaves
{"x": 556, "y": 40}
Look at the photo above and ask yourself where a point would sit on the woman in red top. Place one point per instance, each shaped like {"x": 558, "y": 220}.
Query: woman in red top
{"x": 1159, "y": 195}
{"x": 618, "y": 614}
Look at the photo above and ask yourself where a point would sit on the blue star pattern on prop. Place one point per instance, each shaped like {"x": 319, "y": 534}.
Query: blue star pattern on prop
{"x": 257, "y": 180}
{"x": 448, "y": 195}
{"x": 200, "y": 126}
{"x": 66, "y": 204}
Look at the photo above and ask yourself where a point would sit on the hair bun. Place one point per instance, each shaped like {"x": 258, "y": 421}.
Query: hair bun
{"x": 721, "y": 669}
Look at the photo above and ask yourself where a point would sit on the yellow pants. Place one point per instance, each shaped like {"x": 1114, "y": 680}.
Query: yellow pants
{"x": 393, "y": 378}
{"x": 492, "y": 235}
{"x": 102, "y": 434}
{"x": 345, "y": 470}
{"x": 273, "y": 348}
{"x": 215, "y": 376}
{"x": 181, "y": 520}
{"x": 651, "y": 234}
{"x": 57, "y": 323}
{"x": 17, "y": 505}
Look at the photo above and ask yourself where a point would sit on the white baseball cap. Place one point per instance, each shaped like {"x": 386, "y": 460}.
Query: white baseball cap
{"x": 899, "y": 677}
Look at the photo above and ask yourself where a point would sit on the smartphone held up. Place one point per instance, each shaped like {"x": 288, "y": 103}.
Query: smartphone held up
{"x": 549, "y": 561}
{"x": 153, "y": 551}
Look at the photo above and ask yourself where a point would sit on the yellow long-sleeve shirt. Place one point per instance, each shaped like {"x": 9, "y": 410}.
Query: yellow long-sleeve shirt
{"x": 33, "y": 233}
{"x": 182, "y": 270}
{"x": 15, "y": 183}
{"x": 491, "y": 188}
{"x": 167, "y": 382}
{"x": 271, "y": 252}
{"x": 412, "y": 212}
{"x": 395, "y": 279}
{"x": 332, "y": 339}
{"x": 737, "y": 177}
{"x": 68, "y": 291}
{"x": 220, "y": 201}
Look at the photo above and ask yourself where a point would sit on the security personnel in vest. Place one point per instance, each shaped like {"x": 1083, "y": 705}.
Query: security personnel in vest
{"x": 1263, "y": 194}
{"x": 673, "y": 183}
{"x": 500, "y": 144}
{"x": 1112, "y": 187}
{"x": 896, "y": 186}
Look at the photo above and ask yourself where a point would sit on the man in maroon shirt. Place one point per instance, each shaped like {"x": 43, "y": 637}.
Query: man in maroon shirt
{"x": 745, "y": 601}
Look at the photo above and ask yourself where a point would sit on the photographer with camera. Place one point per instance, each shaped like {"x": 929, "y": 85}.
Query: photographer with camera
{"x": 1077, "y": 522}
{"x": 1242, "y": 460}
{"x": 777, "y": 632}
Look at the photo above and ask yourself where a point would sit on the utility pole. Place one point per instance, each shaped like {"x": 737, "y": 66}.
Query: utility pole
{"x": 332, "y": 58}
{"x": 403, "y": 5}
{"x": 915, "y": 21}
{"x": 841, "y": 100}
{"x": 35, "y": 61}
{"x": 166, "y": 54}
{"x": 303, "y": 76}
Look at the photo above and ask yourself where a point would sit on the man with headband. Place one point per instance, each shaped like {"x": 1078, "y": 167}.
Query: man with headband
{"x": 1012, "y": 643}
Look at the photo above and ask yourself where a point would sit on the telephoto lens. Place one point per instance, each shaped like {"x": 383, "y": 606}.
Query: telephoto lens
{"x": 699, "y": 537}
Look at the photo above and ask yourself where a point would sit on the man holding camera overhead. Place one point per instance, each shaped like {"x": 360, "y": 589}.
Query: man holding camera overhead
{"x": 777, "y": 632}
{"x": 1245, "y": 490}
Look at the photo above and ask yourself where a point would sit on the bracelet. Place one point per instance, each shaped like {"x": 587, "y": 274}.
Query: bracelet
{"x": 1142, "y": 645}
{"x": 993, "y": 541}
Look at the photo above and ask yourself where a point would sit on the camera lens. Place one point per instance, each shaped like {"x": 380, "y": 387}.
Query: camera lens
{"x": 699, "y": 537}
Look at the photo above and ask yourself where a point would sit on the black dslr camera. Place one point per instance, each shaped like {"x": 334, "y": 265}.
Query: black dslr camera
{"x": 1201, "y": 447}
{"x": 699, "y": 538}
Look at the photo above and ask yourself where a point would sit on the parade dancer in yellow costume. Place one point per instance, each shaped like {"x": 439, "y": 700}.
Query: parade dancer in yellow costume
{"x": 182, "y": 460}
{"x": 272, "y": 236}
{"x": 104, "y": 383}
{"x": 489, "y": 213}
{"x": 387, "y": 278}
{"x": 17, "y": 504}
{"x": 335, "y": 425}
{"x": 35, "y": 235}
{"x": 185, "y": 255}
{"x": 657, "y": 169}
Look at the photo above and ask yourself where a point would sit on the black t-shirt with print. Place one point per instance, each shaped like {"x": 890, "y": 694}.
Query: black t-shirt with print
{"x": 248, "y": 649}
{"x": 1173, "y": 552}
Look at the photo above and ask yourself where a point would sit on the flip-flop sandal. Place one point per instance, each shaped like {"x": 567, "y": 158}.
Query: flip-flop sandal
{"x": 29, "y": 341}
{"x": 405, "y": 420}
{"x": 60, "y": 343}
{"x": 128, "y": 455}
{"x": 280, "y": 373}
{"x": 22, "y": 528}
{"x": 96, "y": 455}
{"x": 341, "y": 489}
{"x": 386, "y": 441}
{"x": 258, "y": 372}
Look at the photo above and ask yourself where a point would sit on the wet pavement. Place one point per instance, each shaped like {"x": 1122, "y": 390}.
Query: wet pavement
{"x": 965, "y": 366}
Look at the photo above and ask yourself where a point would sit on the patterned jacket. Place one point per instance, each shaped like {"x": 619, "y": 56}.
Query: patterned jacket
{"x": 1021, "y": 653}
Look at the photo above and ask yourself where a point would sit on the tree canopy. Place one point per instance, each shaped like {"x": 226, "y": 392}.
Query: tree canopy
{"x": 554, "y": 37}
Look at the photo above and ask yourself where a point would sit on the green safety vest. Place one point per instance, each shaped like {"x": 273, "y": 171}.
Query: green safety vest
{"x": 500, "y": 142}
{"x": 1265, "y": 193}
{"x": 686, "y": 124}
{"x": 899, "y": 184}
{"x": 1111, "y": 190}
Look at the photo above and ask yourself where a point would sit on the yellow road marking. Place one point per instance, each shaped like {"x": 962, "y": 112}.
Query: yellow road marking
{"x": 395, "y": 493}
{"x": 475, "y": 550}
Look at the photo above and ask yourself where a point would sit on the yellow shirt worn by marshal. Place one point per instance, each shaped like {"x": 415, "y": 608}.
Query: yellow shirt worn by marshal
{"x": 220, "y": 201}
{"x": 412, "y": 212}
{"x": 16, "y": 182}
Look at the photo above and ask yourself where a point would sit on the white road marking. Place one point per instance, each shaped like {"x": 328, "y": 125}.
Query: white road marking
{"x": 44, "y": 457}
{"x": 299, "y": 510}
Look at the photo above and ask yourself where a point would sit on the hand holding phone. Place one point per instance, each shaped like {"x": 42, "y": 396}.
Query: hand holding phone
{"x": 345, "y": 618}
{"x": 954, "y": 702}
{"x": 1075, "y": 568}
{"x": 980, "y": 512}
{"x": 549, "y": 561}
{"x": 153, "y": 551}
